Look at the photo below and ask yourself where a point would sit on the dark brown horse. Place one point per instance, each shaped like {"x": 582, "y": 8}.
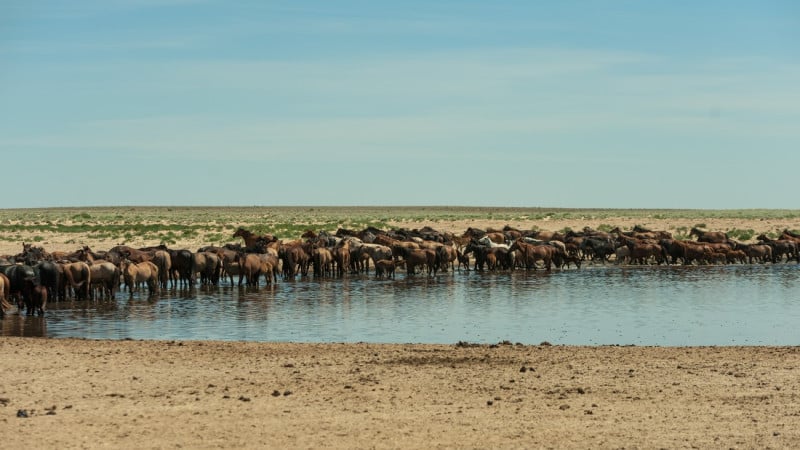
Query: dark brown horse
{"x": 133, "y": 254}
{"x": 35, "y": 296}
{"x": 780, "y": 247}
{"x": 790, "y": 236}
{"x": 709, "y": 236}
{"x": 251, "y": 239}
{"x": 790, "y": 233}
{"x": 474, "y": 233}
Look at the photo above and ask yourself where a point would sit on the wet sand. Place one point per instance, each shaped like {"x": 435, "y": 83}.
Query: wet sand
{"x": 156, "y": 394}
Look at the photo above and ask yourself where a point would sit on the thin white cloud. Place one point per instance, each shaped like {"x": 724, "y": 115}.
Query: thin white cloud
{"x": 69, "y": 10}
{"x": 35, "y": 47}
{"x": 457, "y": 103}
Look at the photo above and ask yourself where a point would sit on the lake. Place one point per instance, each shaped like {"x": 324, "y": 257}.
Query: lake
{"x": 668, "y": 306}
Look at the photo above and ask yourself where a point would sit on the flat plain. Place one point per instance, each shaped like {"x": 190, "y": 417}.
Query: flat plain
{"x": 67, "y": 229}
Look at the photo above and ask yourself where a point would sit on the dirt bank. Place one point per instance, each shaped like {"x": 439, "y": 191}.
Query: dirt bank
{"x": 146, "y": 394}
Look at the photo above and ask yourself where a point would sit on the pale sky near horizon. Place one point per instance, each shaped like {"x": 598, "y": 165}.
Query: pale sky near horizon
{"x": 602, "y": 104}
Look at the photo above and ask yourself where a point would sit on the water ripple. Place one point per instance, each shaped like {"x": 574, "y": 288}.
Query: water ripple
{"x": 715, "y": 305}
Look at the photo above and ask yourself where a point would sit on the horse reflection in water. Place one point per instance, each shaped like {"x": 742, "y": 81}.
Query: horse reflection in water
{"x": 666, "y": 305}
{"x": 21, "y": 326}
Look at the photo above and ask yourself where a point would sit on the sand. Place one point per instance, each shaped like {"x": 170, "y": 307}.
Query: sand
{"x": 155, "y": 394}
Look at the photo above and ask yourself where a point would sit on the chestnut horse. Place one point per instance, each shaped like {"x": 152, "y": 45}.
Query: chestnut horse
{"x": 533, "y": 253}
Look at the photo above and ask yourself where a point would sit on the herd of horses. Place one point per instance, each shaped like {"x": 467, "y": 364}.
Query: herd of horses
{"x": 34, "y": 276}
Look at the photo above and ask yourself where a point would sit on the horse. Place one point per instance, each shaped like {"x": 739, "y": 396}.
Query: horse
{"x": 463, "y": 260}
{"x": 717, "y": 237}
{"x": 533, "y": 253}
{"x": 780, "y": 247}
{"x": 492, "y": 243}
{"x": 105, "y": 278}
{"x": 482, "y": 255}
{"x": 341, "y": 256}
{"x": 418, "y": 257}
{"x": 78, "y": 277}
{"x": 473, "y": 233}
{"x": 134, "y": 254}
{"x": 35, "y": 296}
{"x": 386, "y": 266}
{"x": 137, "y": 273}
{"x": 446, "y": 255}
{"x": 252, "y": 266}
{"x": 5, "y": 287}
{"x": 251, "y": 239}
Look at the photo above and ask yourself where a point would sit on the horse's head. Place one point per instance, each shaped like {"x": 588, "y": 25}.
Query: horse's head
{"x": 474, "y": 246}
{"x": 485, "y": 241}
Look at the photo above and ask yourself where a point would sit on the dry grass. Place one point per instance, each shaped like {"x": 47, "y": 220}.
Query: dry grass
{"x": 190, "y": 227}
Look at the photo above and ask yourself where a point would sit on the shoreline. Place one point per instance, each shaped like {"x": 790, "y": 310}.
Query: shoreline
{"x": 221, "y": 394}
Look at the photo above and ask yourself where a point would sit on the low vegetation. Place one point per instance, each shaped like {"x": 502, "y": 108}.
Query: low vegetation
{"x": 215, "y": 225}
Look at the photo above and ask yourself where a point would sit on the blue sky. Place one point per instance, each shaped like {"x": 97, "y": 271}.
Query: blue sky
{"x": 617, "y": 104}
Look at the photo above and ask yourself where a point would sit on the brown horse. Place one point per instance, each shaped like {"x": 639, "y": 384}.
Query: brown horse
{"x": 446, "y": 257}
{"x": 693, "y": 251}
{"x": 420, "y": 257}
{"x": 135, "y": 274}
{"x": 35, "y": 297}
{"x": 760, "y": 252}
{"x": 533, "y": 253}
{"x": 341, "y": 256}
{"x": 709, "y": 236}
{"x": 252, "y": 266}
{"x": 251, "y": 239}
{"x": 133, "y": 254}
{"x": 78, "y": 276}
{"x": 790, "y": 233}
{"x": 780, "y": 247}
{"x": 5, "y": 288}
{"x": 387, "y": 267}
{"x": 474, "y": 233}
{"x": 322, "y": 261}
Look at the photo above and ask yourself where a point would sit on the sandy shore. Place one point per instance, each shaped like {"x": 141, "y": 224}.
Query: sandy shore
{"x": 153, "y": 394}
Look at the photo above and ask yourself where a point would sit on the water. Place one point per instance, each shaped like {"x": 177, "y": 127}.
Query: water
{"x": 714, "y": 305}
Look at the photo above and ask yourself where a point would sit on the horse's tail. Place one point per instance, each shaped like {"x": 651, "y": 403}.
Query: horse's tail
{"x": 71, "y": 279}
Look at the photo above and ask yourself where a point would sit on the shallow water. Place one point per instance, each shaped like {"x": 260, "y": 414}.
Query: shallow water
{"x": 714, "y": 305}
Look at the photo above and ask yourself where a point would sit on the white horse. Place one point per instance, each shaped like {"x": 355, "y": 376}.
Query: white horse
{"x": 489, "y": 243}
